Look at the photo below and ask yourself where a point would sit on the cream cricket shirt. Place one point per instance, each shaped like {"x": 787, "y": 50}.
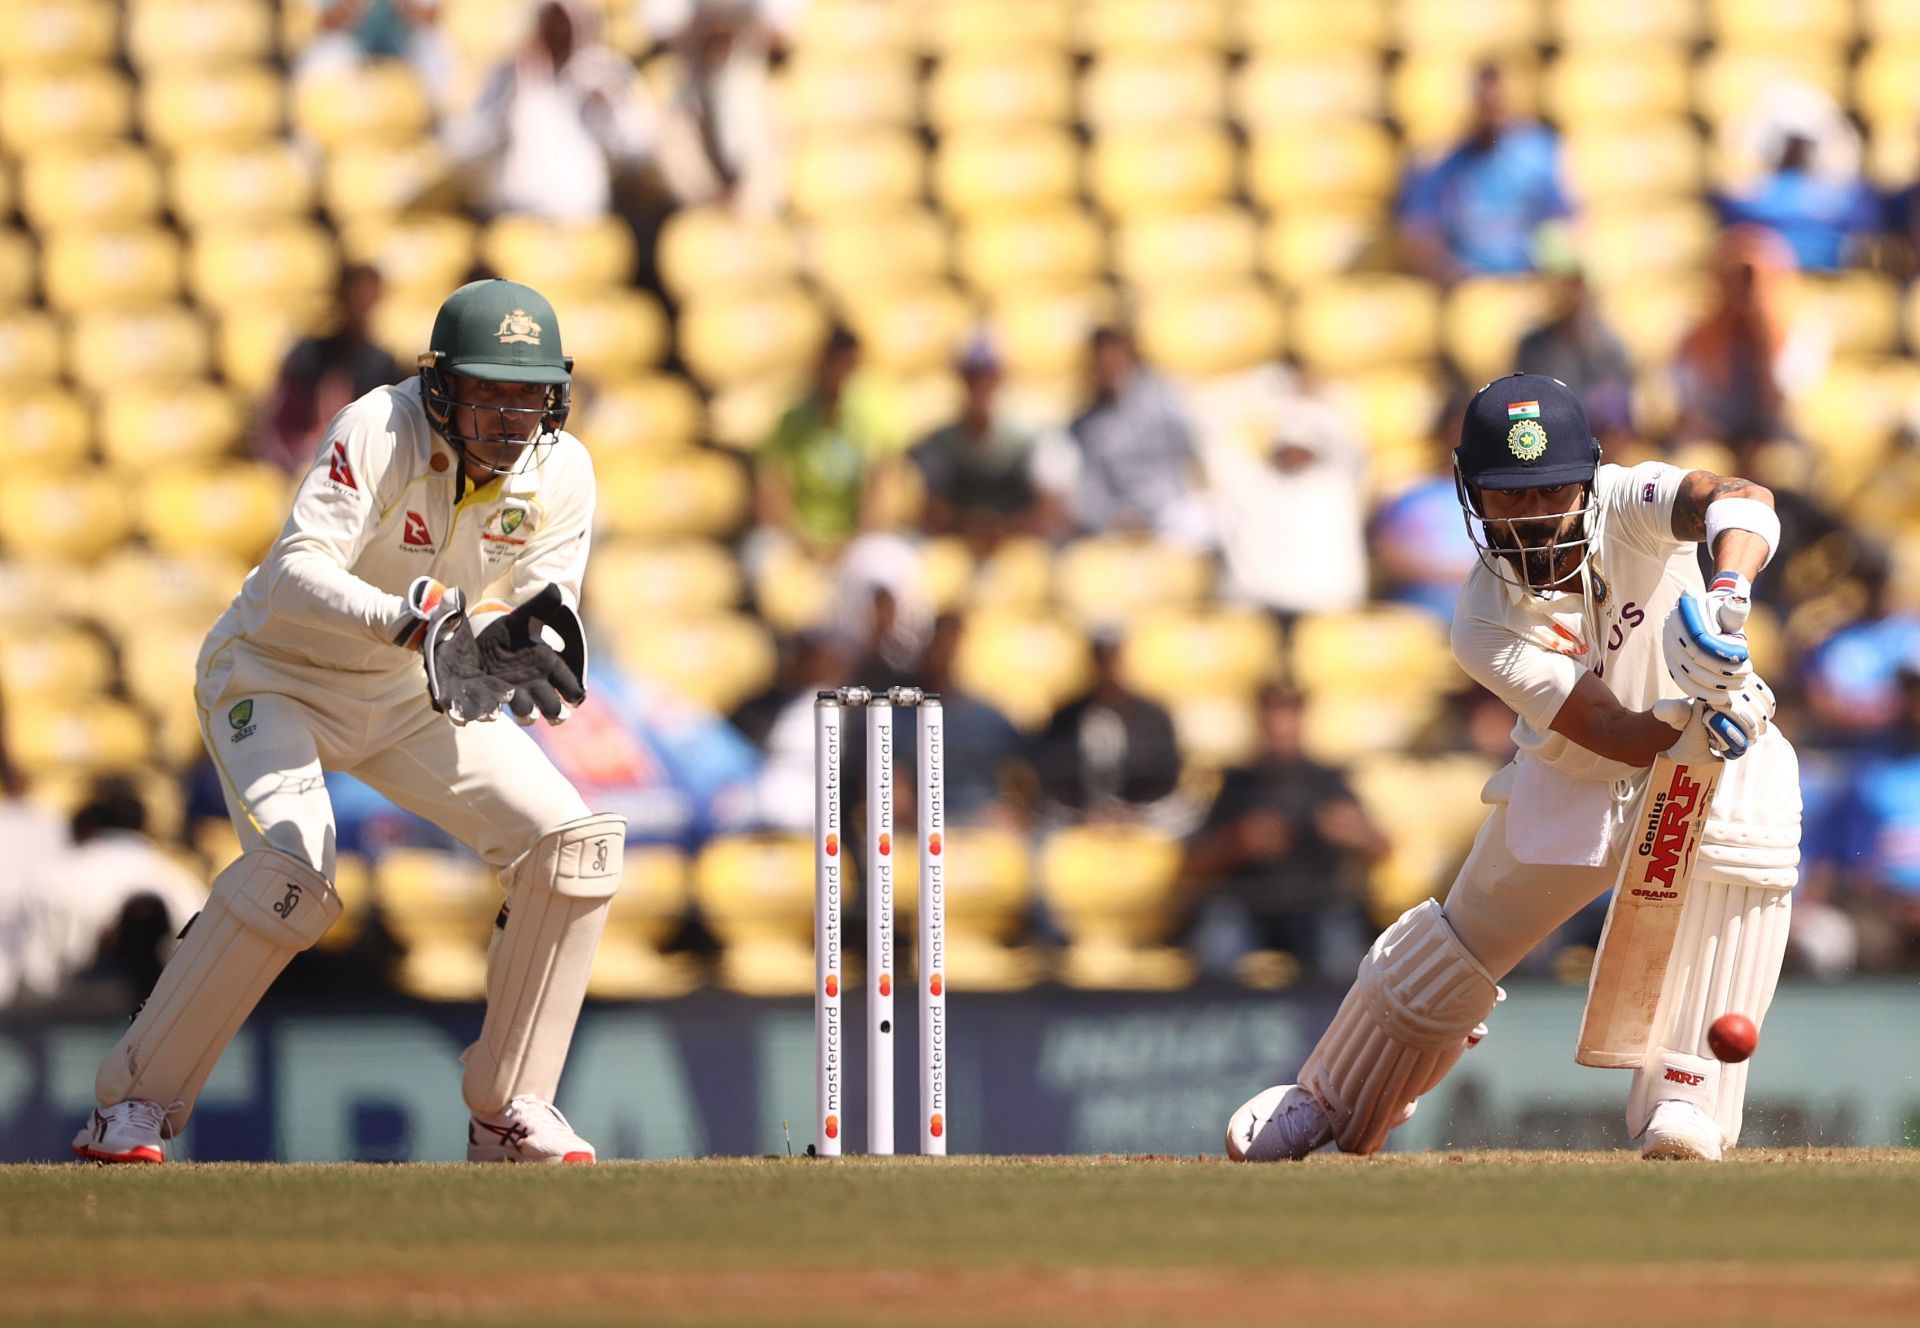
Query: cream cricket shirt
{"x": 377, "y": 509}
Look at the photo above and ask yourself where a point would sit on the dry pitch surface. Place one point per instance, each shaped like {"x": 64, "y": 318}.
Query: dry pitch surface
{"x": 1786, "y": 1238}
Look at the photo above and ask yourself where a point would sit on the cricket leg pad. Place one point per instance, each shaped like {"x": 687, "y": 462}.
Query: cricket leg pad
{"x": 537, "y": 968}
{"x": 261, "y": 911}
{"x": 1419, "y": 998}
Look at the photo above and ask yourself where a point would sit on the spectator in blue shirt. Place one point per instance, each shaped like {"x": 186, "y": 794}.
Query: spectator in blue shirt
{"x": 1478, "y": 208}
{"x": 1852, "y": 678}
{"x": 1817, "y": 213}
{"x": 1875, "y": 821}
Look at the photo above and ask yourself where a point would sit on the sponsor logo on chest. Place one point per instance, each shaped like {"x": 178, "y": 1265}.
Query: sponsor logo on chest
{"x": 506, "y": 531}
{"x": 415, "y": 537}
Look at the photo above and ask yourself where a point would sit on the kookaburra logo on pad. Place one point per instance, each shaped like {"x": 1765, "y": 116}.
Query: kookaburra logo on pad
{"x": 519, "y": 326}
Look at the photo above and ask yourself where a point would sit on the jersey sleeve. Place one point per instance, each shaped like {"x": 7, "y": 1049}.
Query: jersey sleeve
{"x": 308, "y": 571}
{"x": 1638, "y": 506}
{"x": 556, "y": 552}
{"x": 1533, "y": 680}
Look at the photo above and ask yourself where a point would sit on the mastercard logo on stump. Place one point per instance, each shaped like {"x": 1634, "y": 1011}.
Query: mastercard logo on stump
{"x": 833, "y": 985}
{"x": 936, "y": 1127}
{"x": 933, "y": 843}
{"x": 886, "y": 843}
{"x": 886, "y": 985}
{"x": 934, "y": 984}
{"x": 833, "y": 1127}
{"x": 833, "y": 845}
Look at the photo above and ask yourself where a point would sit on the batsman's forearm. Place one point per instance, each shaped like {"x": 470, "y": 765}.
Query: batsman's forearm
{"x": 1740, "y": 551}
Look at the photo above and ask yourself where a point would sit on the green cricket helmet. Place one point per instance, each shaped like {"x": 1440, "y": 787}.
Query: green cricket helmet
{"x": 504, "y": 332}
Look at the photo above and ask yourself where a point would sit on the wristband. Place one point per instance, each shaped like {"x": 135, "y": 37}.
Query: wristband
{"x": 1749, "y": 514}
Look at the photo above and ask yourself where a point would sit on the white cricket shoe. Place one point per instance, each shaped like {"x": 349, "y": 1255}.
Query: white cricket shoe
{"x": 1283, "y": 1124}
{"x": 124, "y": 1132}
{"x": 531, "y": 1129}
{"x": 1681, "y": 1132}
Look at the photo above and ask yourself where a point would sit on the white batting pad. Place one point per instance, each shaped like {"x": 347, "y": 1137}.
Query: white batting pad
{"x": 538, "y": 966}
{"x": 261, "y": 911}
{"x": 1418, "y": 999}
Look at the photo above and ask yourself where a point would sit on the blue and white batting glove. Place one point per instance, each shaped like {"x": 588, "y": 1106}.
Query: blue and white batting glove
{"x": 1711, "y": 663}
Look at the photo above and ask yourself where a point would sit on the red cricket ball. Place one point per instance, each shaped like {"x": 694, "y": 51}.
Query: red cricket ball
{"x": 1732, "y": 1038}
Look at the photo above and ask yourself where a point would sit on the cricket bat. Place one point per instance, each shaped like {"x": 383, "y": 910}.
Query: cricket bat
{"x": 1630, "y": 969}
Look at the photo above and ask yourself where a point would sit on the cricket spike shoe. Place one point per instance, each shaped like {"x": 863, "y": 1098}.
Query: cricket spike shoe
{"x": 1283, "y": 1124}
{"x": 1681, "y": 1132}
{"x": 531, "y": 1129}
{"x": 127, "y": 1131}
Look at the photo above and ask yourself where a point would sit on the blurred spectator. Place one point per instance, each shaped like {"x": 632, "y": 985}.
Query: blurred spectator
{"x": 979, "y": 471}
{"x": 1876, "y": 819}
{"x": 1286, "y": 469}
{"x": 556, "y": 127}
{"x": 1110, "y": 754}
{"x": 124, "y": 899}
{"x": 883, "y": 608}
{"x": 718, "y": 144}
{"x": 987, "y": 778}
{"x": 322, "y": 374}
{"x": 355, "y": 31}
{"x": 1280, "y": 862}
{"x": 818, "y": 476}
{"x": 1852, "y": 679}
{"x": 1136, "y": 453}
{"x": 1479, "y": 209}
{"x": 1740, "y": 368}
{"x": 30, "y": 870}
{"x": 783, "y": 793}
{"x": 1576, "y": 346}
{"x": 1812, "y": 194}
{"x": 1421, "y": 552}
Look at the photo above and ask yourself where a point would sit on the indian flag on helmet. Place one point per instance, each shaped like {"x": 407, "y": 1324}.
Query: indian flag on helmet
{"x": 1523, "y": 410}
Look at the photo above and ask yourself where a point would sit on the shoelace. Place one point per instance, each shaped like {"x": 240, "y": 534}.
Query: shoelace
{"x": 145, "y": 1112}
{"x": 520, "y": 1105}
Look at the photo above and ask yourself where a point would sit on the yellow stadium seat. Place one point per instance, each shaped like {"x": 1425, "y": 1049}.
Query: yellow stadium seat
{"x": 1372, "y": 651}
{"x": 835, "y": 174}
{"x": 1653, "y": 314}
{"x": 1114, "y": 891}
{"x": 85, "y": 270}
{"x": 845, "y": 91}
{"x": 558, "y": 257}
{"x": 1622, "y": 242}
{"x": 19, "y": 268}
{"x": 651, "y": 902}
{"x": 742, "y": 415}
{"x": 981, "y": 171}
{"x": 197, "y": 109}
{"x": 180, "y": 34}
{"x": 39, "y": 34}
{"x": 637, "y": 414}
{"x": 109, "y": 349}
{"x": 1767, "y": 23}
{"x": 873, "y": 28}
{"x": 80, "y": 737}
{"x": 382, "y": 101}
{"x": 995, "y": 28}
{"x": 737, "y": 338}
{"x": 1396, "y": 408}
{"x": 188, "y": 422}
{"x": 158, "y": 661}
{"x": 1339, "y": 161}
{"x": 1732, "y": 83}
{"x": 1313, "y": 26}
{"x": 1213, "y": 330}
{"x": 755, "y": 893}
{"x": 1107, "y": 579}
{"x": 373, "y": 180}
{"x": 1305, "y": 245}
{"x": 1889, "y": 21}
{"x": 674, "y": 579}
{"x": 290, "y": 261}
{"x": 1153, "y": 88}
{"x": 32, "y": 591}
{"x": 1362, "y": 322}
{"x": 1627, "y": 25}
{"x": 1339, "y": 728}
{"x": 252, "y": 340}
{"x": 1430, "y": 811}
{"x": 432, "y": 252}
{"x": 1187, "y": 248}
{"x": 29, "y": 348}
{"x": 1849, "y": 417}
{"x": 1044, "y": 334}
{"x": 236, "y": 509}
{"x": 484, "y": 31}
{"x": 678, "y": 492}
{"x": 109, "y": 185}
{"x": 1617, "y": 86}
{"x": 1279, "y": 90}
{"x": 909, "y": 329}
{"x": 1431, "y": 93}
{"x": 1173, "y": 653}
{"x": 1861, "y": 310}
{"x": 1025, "y": 664}
{"x": 703, "y": 250}
{"x": 792, "y": 589}
{"x": 1216, "y": 732}
{"x": 80, "y": 107}
{"x": 718, "y": 660}
{"x": 1128, "y": 26}
{"x": 611, "y": 334}
{"x": 1634, "y": 162}
{"x": 989, "y": 893}
{"x": 848, "y": 253}
{"x": 57, "y": 662}
{"x": 1884, "y": 86}
{"x": 1470, "y": 27}
{"x": 78, "y": 516}
{"x": 441, "y": 907}
{"x": 1023, "y": 251}
{"x": 132, "y": 588}
{"x": 1000, "y": 88}
{"x": 232, "y": 185}
{"x": 1158, "y": 170}
{"x": 1485, "y": 317}
{"x": 47, "y": 428}
{"x": 1015, "y": 578}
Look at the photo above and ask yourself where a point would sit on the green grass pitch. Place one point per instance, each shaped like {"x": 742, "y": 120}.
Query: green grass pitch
{"x": 1773, "y": 1238}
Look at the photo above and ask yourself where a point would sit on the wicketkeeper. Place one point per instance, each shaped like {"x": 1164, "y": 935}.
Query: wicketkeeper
{"x": 1574, "y": 618}
{"x": 423, "y": 499}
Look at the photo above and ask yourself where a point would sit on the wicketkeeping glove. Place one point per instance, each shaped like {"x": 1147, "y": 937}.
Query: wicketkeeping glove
{"x": 542, "y": 678}
{"x": 456, "y": 684}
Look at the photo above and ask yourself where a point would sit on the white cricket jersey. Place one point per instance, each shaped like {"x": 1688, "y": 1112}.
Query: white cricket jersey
{"x": 378, "y": 509}
{"x": 1530, "y": 652}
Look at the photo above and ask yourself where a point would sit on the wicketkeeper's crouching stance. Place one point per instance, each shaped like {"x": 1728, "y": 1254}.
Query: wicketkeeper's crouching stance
{"x": 1587, "y": 615}
{"x": 422, "y": 498}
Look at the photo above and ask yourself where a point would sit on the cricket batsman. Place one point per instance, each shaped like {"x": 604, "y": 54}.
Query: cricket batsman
{"x": 428, "y": 575}
{"x": 1587, "y": 615}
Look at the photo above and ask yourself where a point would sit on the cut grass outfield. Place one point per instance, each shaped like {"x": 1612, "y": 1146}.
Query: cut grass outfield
{"x": 1519, "y": 1238}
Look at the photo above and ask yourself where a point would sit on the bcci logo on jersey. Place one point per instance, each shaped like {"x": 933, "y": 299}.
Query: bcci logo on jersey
{"x": 241, "y": 719}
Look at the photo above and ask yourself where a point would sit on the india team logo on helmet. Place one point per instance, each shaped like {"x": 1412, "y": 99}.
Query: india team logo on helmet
{"x": 519, "y": 326}
{"x": 1527, "y": 440}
